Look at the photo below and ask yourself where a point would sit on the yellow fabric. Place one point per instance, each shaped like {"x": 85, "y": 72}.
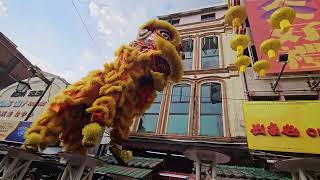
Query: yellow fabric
{"x": 110, "y": 97}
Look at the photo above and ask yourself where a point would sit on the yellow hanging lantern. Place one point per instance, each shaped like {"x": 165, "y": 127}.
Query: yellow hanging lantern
{"x": 261, "y": 67}
{"x": 270, "y": 47}
{"x": 242, "y": 63}
{"x": 282, "y": 18}
{"x": 239, "y": 43}
{"x": 235, "y": 16}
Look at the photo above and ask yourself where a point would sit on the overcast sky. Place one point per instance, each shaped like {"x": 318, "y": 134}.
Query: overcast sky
{"x": 51, "y": 35}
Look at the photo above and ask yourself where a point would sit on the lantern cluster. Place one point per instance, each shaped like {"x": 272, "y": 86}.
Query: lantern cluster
{"x": 281, "y": 19}
{"x": 235, "y": 17}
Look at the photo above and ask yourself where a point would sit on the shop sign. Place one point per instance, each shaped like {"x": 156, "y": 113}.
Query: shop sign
{"x": 292, "y": 126}
{"x": 301, "y": 42}
{"x": 13, "y": 131}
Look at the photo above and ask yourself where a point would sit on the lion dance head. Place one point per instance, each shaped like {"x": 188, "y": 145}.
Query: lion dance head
{"x": 112, "y": 97}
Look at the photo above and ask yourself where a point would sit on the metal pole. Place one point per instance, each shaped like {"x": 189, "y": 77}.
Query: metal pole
{"x": 294, "y": 176}
{"x": 279, "y": 76}
{"x": 198, "y": 170}
{"x": 213, "y": 170}
{"x": 302, "y": 175}
{"x": 245, "y": 85}
{"x": 34, "y": 107}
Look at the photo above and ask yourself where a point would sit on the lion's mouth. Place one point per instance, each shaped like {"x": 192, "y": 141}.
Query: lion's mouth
{"x": 161, "y": 65}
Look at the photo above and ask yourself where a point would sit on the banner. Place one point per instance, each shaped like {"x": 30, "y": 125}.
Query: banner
{"x": 288, "y": 126}
{"x": 13, "y": 131}
{"x": 301, "y": 42}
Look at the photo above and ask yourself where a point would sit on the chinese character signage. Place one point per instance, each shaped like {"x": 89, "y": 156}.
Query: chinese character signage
{"x": 13, "y": 131}
{"x": 301, "y": 42}
{"x": 287, "y": 126}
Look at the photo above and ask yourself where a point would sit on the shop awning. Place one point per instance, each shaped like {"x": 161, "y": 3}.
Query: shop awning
{"x": 138, "y": 167}
{"x": 240, "y": 172}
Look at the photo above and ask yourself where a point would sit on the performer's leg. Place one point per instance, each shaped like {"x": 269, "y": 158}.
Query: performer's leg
{"x": 119, "y": 133}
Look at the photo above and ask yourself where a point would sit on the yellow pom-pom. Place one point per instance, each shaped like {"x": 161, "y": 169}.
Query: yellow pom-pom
{"x": 129, "y": 154}
{"x": 33, "y": 139}
{"x": 92, "y": 130}
{"x": 91, "y": 133}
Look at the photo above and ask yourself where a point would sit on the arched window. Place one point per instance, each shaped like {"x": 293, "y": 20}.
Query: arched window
{"x": 179, "y": 109}
{"x": 211, "y": 120}
{"x": 149, "y": 120}
{"x": 187, "y": 47}
{"x": 209, "y": 52}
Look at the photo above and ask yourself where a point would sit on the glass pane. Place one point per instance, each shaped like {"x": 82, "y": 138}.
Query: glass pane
{"x": 185, "y": 96}
{"x": 210, "y": 62}
{"x": 175, "y": 96}
{"x": 211, "y": 92}
{"x": 211, "y": 125}
{"x": 154, "y": 108}
{"x": 187, "y": 64}
{"x": 148, "y": 123}
{"x": 179, "y": 108}
{"x": 216, "y": 95}
{"x": 205, "y": 92}
{"x": 158, "y": 98}
{"x": 209, "y": 52}
{"x": 177, "y": 124}
{"x": 187, "y": 47}
{"x": 209, "y": 108}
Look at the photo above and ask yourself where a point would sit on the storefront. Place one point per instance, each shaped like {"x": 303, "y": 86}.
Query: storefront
{"x": 290, "y": 130}
{"x": 18, "y": 110}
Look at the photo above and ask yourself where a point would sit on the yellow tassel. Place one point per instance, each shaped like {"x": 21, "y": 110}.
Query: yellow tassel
{"x": 33, "y": 139}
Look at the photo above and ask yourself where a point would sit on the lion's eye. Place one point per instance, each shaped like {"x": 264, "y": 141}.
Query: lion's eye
{"x": 143, "y": 33}
{"x": 165, "y": 34}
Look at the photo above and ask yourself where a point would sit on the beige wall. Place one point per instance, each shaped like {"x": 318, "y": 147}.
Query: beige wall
{"x": 197, "y": 18}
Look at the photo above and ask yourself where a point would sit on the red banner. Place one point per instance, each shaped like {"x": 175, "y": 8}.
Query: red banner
{"x": 301, "y": 42}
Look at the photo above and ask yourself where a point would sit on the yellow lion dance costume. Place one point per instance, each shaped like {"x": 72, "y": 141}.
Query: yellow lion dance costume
{"x": 112, "y": 97}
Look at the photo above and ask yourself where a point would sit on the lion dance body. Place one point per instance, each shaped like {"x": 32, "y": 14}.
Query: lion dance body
{"x": 112, "y": 97}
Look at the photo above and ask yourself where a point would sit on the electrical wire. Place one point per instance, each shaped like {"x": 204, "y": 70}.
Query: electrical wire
{"x": 86, "y": 28}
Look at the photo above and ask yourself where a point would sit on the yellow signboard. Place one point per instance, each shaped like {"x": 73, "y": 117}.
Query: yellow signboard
{"x": 287, "y": 126}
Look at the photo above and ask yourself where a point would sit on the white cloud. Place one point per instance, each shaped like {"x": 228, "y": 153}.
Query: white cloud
{"x": 88, "y": 55}
{"x": 37, "y": 61}
{"x": 3, "y": 9}
{"x": 117, "y": 22}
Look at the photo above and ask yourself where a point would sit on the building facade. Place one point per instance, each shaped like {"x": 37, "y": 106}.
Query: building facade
{"x": 16, "y": 107}
{"x": 13, "y": 65}
{"x": 290, "y": 91}
{"x": 203, "y": 112}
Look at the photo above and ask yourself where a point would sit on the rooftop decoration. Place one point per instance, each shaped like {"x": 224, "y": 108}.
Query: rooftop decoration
{"x": 239, "y": 43}
{"x": 261, "y": 67}
{"x": 282, "y": 18}
{"x": 270, "y": 47}
{"x": 242, "y": 63}
{"x": 235, "y": 16}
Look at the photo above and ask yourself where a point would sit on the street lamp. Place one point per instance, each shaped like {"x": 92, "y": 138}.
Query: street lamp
{"x": 23, "y": 87}
{"x": 283, "y": 58}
